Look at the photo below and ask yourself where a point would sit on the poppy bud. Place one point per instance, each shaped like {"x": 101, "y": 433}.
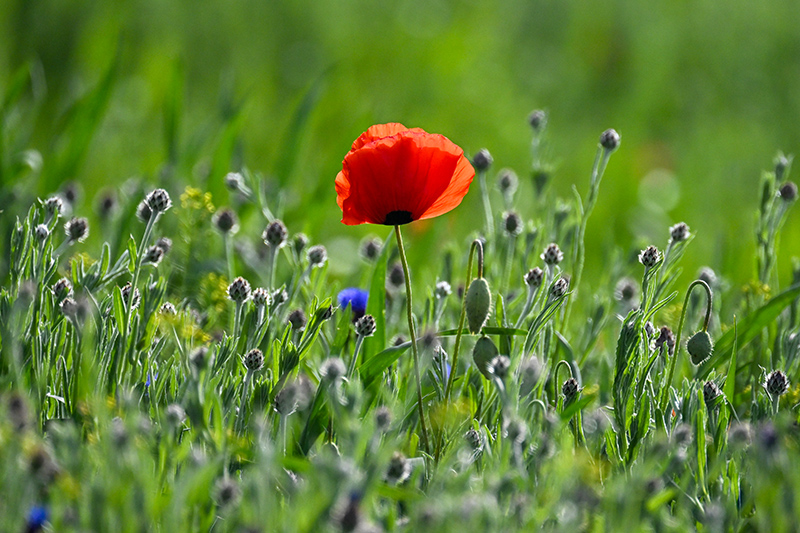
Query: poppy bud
{"x": 478, "y": 304}
{"x": 679, "y": 232}
{"x": 610, "y": 140}
{"x": 700, "y": 347}
{"x": 483, "y": 352}
{"x": 254, "y": 360}
{"x": 482, "y": 160}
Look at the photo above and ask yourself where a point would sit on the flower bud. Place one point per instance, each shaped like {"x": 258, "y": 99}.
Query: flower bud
{"x": 483, "y": 352}
{"x": 143, "y": 211}
{"x": 530, "y": 370}
{"x": 332, "y": 369}
{"x": 167, "y": 308}
{"x": 507, "y": 182}
{"x": 299, "y": 242}
{"x": 158, "y": 201}
{"x": 570, "y": 390}
{"x": 442, "y": 290}
{"x": 559, "y": 288}
{"x": 788, "y": 191}
{"x": 512, "y": 223}
{"x": 478, "y": 304}
{"x": 62, "y": 289}
{"x": 297, "y": 319}
{"x": 370, "y": 248}
{"x": 41, "y": 233}
{"x": 552, "y": 255}
{"x": 534, "y": 277}
{"x": 482, "y": 160}
{"x": 165, "y": 243}
{"x": 396, "y": 276}
{"x": 365, "y": 326}
{"x": 77, "y": 229}
{"x": 610, "y": 140}
{"x": 317, "y": 255}
{"x": 383, "y": 418}
{"x": 254, "y": 360}
{"x": 538, "y": 120}
{"x": 777, "y": 383}
{"x": 649, "y": 257}
{"x": 234, "y": 181}
{"x": 679, "y": 232}
{"x": 153, "y": 255}
{"x": 275, "y": 234}
{"x": 126, "y": 296}
{"x": 261, "y": 297}
{"x": 239, "y": 290}
{"x": 710, "y": 394}
{"x": 499, "y": 366}
{"x": 53, "y": 206}
{"x": 225, "y": 221}
{"x": 700, "y": 347}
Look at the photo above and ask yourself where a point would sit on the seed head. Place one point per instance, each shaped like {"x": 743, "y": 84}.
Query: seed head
{"x": 649, "y": 257}
{"x": 700, "y": 347}
{"x": 175, "y": 415}
{"x": 538, "y": 120}
{"x": 552, "y": 255}
{"x": 512, "y": 223}
{"x": 275, "y": 234}
{"x": 317, "y": 255}
{"x": 370, "y": 248}
{"x": 77, "y": 229}
{"x": 534, "y": 277}
{"x": 482, "y": 160}
{"x": 570, "y": 390}
{"x": 62, "y": 289}
{"x": 499, "y": 366}
{"x": 299, "y": 242}
{"x": 679, "y": 232}
{"x": 507, "y": 182}
{"x": 442, "y": 290}
{"x": 777, "y": 383}
{"x": 365, "y": 326}
{"x": 610, "y": 140}
{"x": 165, "y": 243}
{"x": 261, "y": 297}
{"x": 239, "y": 290}
{"x": 153, "y": 255}
{"x": 143, "y": 211}
{"x": 710, "y": 394}
{"x": 478, "y": 304}
{"x": 42, "y": 232}
{"x": 254, "y": 360}
{"x": 167, "y": 308}
{"x": 126, "y": 296}
{"x": 332, "y": 369}
{"x": 396, "y": 276}
{"x": 297, "y": 318}
{"x": 226, "y": 221}
{"x": 53, "y": 206}
{"x": 158, "y": 201}
{"x": 559, "y": 288}
{"x": 788, "y": 191}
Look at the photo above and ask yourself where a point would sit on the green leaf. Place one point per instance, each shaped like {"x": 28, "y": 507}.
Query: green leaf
{"x": 487, "y": 330}
{"x": 748, "y": 329}
{"x": 373, "y": 367}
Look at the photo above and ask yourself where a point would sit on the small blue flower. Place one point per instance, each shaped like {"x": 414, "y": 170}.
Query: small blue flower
{"x": 356, "y": 298}
{"x": 37, "y": 516}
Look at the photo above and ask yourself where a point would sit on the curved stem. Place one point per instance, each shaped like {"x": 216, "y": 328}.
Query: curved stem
{"x": 671, "y": 369}
{"x": 411, "y": 332}
{"x": 561, "y": 363}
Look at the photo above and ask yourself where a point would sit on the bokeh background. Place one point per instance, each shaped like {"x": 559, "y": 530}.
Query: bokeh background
{"x": 704, "y": 94}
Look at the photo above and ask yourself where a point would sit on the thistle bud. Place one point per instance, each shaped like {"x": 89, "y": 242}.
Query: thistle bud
{"x": 552, "y": 255}
{"x": 370, "y": 248}
{"x": 609, "y": 140}
{"x": 559, "y": 288}
{"x": 473, "y": 438}
{"x": 626, "y": 291}
{"x": 365, "y": 326}
{"x": 483, "y": 352}
{"x": 42, "y": 232}
{"x": 158, "y": 201}
{"x": 275, "y": 234}
{"x": 482, "y": 160}
{"x": 679, "y": 232}
{"x": 297, "y": 319}
{"x": 788, "y": 191}
{"x": 62, "y": 289}
{"x": 279, "y": 296}
{"x": 225, "y": 221}
{"x": 77, "y": 229}
{"x": 512, "y": 223}
{"x": 649, "y": 257}
{"x": 261, "y": 297}
{"x": 332, "y": 369}
{"x": 534, "y": 277}
{"x": 570, "y": 390}
{"x": 710, "y": 394}
{"x": 478, "y": 304}
{"x": 777, "y": 383}
{"x": 254, "y": 360}
{"x": 700, "y": 347}
{"x": 126, "y": 296}
{"x": 239, "y": 290}
{"x": 317, "y": 255}
{"x": 538, "y": 120}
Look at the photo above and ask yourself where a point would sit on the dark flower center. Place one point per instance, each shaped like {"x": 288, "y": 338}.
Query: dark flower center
{"x": 396, "y": 218}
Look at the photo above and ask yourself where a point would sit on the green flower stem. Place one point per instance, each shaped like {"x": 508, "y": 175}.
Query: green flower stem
{"x": 352, "y": 370}
{"x": 411, "y": 332}
{"x": 671, "y": 366}
{"x": 487, "y": 206}
{"x": 228, "y": 254}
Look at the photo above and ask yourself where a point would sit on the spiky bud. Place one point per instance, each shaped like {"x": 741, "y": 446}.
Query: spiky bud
{"x": 158, "y": 200}
{"x": 226, "y": 221}
{"x": 239, "y": 290}
{"x": 552, "y": 255}
{"x": 317, "y": 255}
{"x": 77, "y": 229}
{"x": 482, "y": 160}
{"x": 126, "y": 296}
{"x": 710, "y": 394}
{"x": 483, "y": 352}
{"x": 609, "y": 140}
{"x": 62, "y": 289}
{"x": 254, "y": 360}
{"x": 286, "y": 400}
{"x": 365, "y": 326}
{"x": 167, "y": 308}
{"x": 512, "y": 223}
{"x": 679, "y": 232}
{"x": 297, "y": 318}
{"x": 649, "y": 257}
{"x": 570, "y": 390}
{"x": 42, "y": 232}
{"x": 700, "y": 347}
{"x": 69, "y": 307}
{"x": 559, "y": 288}
{"x": 279, "y": 296}
{"x": 275, "y": 234}
{"x": 261, "y": 297}
{"x": 777, "y": 383}
{"x": 537, "y": 120}
{"x": 533, "y": 278}
{"x": 478, "y": 304}
{"x": 153, "y": 255}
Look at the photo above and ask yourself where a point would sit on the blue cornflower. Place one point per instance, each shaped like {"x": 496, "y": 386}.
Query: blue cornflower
{"x": 37, "y": 516}
{"x": 356, "y": 298}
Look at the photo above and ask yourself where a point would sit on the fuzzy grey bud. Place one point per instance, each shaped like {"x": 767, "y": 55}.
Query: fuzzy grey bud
{"x": 552, "y": 255}
{"x": 538, "y": 120}
{"x": 507, "y": 182}
{"x": 788, "y": 191}
{"x": 239, "y": 290}
{"x": 332, "y": 369}
{"x": 570, "y": 390}
{"x": 610, "y": 140}
{"x": 126, "y": 296}
{"x": 62, "y": 289}
{"x": 143, "y": 211}
{"x": 158, "y": 201}
{"x": 275, "y": 234}
{"x": 710, "y": 394}
{"x": 482, "y": 160}
{"x": 261, "y": 297}
{"x": 297, "y": 318}
{"x": 534, "y": 277}
{"x": 317, "y": 255}
{"x": 254, "y": 360}
{"x": 442, "y": 290}
{"x": 777, "y": 383}
{"x": 370, "y": 248}
{"x": 559, "y": 288}
{"x": 42, "y": 232}
{"x": 167, "y": 308}
{"x": 649, "y": 257}
{"x": 226, "y": 221}
{"x": 512, "y": 223}
{"x": 77, "y": 229}
{"x": 365, "y": 326}
{"x": 499, "y": 366}
{"x": 679, "y": 232}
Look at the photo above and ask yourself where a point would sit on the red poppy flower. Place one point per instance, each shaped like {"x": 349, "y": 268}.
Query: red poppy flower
{"x": 394, "y": 175}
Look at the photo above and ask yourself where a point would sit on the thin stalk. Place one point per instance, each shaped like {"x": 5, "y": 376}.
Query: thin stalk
{"x": 228, "y": 254}
{"x": 411, "y": 332}
{"x": 136, "y": 271}
{"x": 487, "y": 207}
{"x": 351, "y": 371}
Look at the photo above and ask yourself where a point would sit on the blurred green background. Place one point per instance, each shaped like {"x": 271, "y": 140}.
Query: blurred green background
{"x": 704, "y": 94}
